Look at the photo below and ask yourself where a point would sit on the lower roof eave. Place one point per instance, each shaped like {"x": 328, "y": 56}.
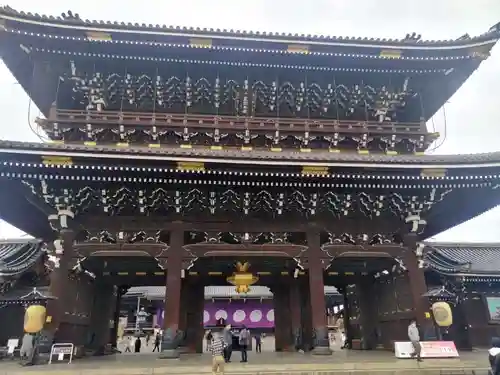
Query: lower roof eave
{"x": 269, "y": 158}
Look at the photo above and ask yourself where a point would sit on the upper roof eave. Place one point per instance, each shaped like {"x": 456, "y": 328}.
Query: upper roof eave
{"x": 268, "y": 158}
{"x": 75, "y": 22}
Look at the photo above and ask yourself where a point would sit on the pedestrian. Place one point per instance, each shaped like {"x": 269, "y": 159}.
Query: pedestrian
{"x": 27, "y": 346}
{"x": 137, "y": 345}
{"x": 414, "y": 337}
{"x": 148, "y": 338}
{"x": 208, "y": 338}
{"x": 127, "y": 343}
{"x": 494, "y": 356}
{"x": 227, "y": 337}
{"x": 217, "y": 348}
{"x": 156, "y": 346}
{"x": 258, "y": 343}
{"x": 243, "y": 342}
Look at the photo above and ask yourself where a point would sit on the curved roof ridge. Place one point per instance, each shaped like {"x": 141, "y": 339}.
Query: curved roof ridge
{"x": 74, "y": 20}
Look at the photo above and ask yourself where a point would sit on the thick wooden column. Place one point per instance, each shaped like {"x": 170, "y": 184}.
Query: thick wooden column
{"x": 295, "y": 314}
{"x": 282, "y": 323}
{"x": 195, "y": 317}
{"x": 102, "y": 313}
{"x": 61, "y": 288}
{"x": 306, "y": 342}
{"x": 116, "y": 319}
{"x": 418, "y": 285}
{"x": 172, "y": 296}
{"x": 347, "y": 323}
{"x": 368, "y": 313}
{"x": 317, "y": 290}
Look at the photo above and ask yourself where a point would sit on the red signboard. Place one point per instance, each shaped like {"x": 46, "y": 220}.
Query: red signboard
{"x": 430, "y": 349}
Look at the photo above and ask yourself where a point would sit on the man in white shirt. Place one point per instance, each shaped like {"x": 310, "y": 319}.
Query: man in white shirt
{"x": 414, "y": 337}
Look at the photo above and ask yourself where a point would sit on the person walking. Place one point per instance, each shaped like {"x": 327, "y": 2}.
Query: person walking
{"x": 217, "y": 348}
{"x": 156, "y": 346}
{"x": 414, "y": 337}
{"x": 258, "y": 343}
{"x": 227, "y": 337}
{"x": 208, "y": 338}
{"x": 127, "y": 342}
{"x": 243, "y": 342}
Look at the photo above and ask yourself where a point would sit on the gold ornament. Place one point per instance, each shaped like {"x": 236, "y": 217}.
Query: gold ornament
{"x": 242, "y": 279}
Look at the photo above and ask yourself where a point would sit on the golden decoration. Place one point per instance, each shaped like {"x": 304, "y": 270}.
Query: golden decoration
{"x": 242, "y": 279}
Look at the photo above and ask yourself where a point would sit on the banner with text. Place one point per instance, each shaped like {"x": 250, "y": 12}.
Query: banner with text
{"x": 430, "y": 349}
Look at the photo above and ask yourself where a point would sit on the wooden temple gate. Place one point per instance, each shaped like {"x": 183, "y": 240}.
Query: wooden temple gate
{"x": 172, "y": 157}
{"x": 382, "y": 283}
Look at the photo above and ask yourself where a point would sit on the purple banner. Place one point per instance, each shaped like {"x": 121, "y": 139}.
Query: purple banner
{"x": 253, "y": 314}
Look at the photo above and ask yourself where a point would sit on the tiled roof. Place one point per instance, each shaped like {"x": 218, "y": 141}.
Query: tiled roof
{"x": 439, "y": 292}
{"x": 256, "y": 291}
{"x": 238, "y": 156}
{"x": 76, "y": 21}
{"x": 17, "y": 256}
{"x": 467, "y": 259}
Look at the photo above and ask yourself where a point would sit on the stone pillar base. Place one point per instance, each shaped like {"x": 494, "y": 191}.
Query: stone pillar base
{"x": 321, "y": 350}
{"x": 169, "y": 354}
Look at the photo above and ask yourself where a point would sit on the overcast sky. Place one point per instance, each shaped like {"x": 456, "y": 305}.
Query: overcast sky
{"x": 472, "y": 115}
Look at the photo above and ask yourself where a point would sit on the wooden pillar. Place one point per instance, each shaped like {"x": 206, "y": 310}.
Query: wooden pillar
{"x": 306, "y": 321}
{"x": 196, "y": 317}
{"x": 418, "y": 285}
{"x": 172, "y": 296}
{"x": 102, "y": 313}
{"x": 60, "y": 286}
{"x": 347, "y": 323}
{"x": 368, "y": 313}
{"x": 317, "y": 290}
{"x": 295, "y": 314}
{"x": 116, "y": 319}
{"x": 278, "y": 310}
{"x": 185, "y": 303}
{"x": 282, "y": 324}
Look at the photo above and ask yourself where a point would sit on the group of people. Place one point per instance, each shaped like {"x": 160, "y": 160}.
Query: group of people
{"x": 221, "y": 346}
{"x": 130, "y": 343}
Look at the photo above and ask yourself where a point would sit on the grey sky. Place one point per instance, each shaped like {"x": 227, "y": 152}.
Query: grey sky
{"x": 472, "y": 115}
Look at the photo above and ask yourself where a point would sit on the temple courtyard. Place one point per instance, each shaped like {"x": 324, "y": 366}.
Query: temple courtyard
{"x": 341, "y": 362}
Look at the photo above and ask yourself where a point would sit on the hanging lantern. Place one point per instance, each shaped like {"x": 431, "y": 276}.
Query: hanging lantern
{"x": 242, "y": 279}
{"x": 34, "y": 318}
{"x": 442, "y": 314}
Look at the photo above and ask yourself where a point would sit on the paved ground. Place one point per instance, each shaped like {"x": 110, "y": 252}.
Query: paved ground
{"x": 341, "y": 362}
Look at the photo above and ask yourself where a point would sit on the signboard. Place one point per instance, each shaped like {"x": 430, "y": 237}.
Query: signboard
{"x": 12, "y": 345}
{"x": 430, "y": 349}
{"x": 61, "y": 350}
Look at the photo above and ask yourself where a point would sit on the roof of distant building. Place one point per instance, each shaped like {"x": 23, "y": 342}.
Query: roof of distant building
{"x": 18, "y": 255}
{"x": 467, "y": 259}
{"x": 256, "y": 291}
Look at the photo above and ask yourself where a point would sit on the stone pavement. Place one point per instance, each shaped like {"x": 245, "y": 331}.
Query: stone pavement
{"x": 340, "y": 363}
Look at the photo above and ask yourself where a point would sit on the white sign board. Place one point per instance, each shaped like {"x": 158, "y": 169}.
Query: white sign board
{"x": 430, "y": 349}
{"x": 12, "y": 345}
{"x": 61, "y": 350}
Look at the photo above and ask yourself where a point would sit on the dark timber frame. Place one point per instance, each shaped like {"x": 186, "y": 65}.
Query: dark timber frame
{"x": 171, "y": 159}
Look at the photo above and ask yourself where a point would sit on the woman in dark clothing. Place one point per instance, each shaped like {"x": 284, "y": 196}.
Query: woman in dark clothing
{"x": 137, "y": 347}
{"x": 157, "y": 342}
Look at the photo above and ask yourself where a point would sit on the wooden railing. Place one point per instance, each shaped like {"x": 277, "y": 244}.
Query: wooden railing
{"x": 193, "y": 122}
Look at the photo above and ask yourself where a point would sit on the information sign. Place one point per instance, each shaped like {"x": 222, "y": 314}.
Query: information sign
{"x": 61, "y": 350}
{"x": 430, "y": 349}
